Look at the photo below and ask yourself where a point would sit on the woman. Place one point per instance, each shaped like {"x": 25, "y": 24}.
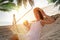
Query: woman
{"x": 42, "y": 17}
{"x": 35, "y": 29}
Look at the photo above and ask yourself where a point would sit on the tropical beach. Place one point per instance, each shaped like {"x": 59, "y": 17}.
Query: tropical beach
{"x": 19, "y": 20}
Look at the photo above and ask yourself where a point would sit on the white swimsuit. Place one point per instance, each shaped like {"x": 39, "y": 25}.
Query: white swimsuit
{"x": 34, "y": 32}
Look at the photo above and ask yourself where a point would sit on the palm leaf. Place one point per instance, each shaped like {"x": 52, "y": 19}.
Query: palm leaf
{"x": 25, "y": 3}
{"x": 11, "y": 0}
{"x": 31, "y": 2}
{"x": 7, "y": 6}
{"x": 19, "y": 2}
{"x": 6, "y": 0}
{"x": 59, "y": 7}
{"x": 4, "y": 9}
{"x": 58, "y": 2}
{"x": 54, "y": 1}
{"x": 2, "y": 1}
{"x": 51, "y": 1}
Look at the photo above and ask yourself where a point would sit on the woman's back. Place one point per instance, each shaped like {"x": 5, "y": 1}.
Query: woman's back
{"x": 34, "y": 32}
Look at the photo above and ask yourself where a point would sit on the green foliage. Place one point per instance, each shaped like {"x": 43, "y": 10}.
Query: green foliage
{"x": 25, "y": 3}
{"x": 57, "y": 2}
{"x": 10, "y": 5}
{"x": 11, "y": 0}
{"x": 6, "y": 0}
{"x": 31, "y": 2}
{"x": 6, "y": 6}
{"x": 51, "y": 1}
{"x": 19, "y": 2}
{"x": 2, "y": 1}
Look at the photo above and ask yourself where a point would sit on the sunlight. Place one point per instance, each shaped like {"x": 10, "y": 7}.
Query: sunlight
{"x": 20, "y": 12}
{"x": 29, "y": 16}
{"x": 23, "y": 11}
{"x": 8, "y": 16}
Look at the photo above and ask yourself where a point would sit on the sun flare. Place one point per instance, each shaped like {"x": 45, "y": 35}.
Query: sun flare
{"x": 20, "y": 12}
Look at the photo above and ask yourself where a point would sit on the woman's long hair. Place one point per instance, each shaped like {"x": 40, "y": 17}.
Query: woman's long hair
{"x": 40, "y": 15}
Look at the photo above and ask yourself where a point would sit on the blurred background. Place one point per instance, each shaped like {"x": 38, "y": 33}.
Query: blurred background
{"x": 6, "y": 17}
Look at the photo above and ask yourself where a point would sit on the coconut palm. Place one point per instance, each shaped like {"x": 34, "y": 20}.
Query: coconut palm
{"x": 7, "y": 5}
{"x": 19, "y": 2}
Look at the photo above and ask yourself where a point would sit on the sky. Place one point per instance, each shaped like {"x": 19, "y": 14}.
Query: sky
{"x": 6, "y": 18}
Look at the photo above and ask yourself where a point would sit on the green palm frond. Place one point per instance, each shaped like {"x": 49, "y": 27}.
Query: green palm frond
{"x": 6, "y": 0}
{"x": 7, "y": 6}
{"x": 10, "y": 5}
{"x": 57, "y": 2}
{"x": 11, "y": 0}
{"x": 54, "y": 1}
{"x": 19, "y": 2}
{"x": 51, "y": 1}
{"x": 25, "y": 3}
{"x": 2, "y": 1}
{"x": 31, "y": 2}
{"x": 1, "y": 9}
{"x": 59, "y": 8}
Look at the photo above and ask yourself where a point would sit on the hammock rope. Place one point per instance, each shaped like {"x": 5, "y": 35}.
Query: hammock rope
{"x": 24, "y": 15}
